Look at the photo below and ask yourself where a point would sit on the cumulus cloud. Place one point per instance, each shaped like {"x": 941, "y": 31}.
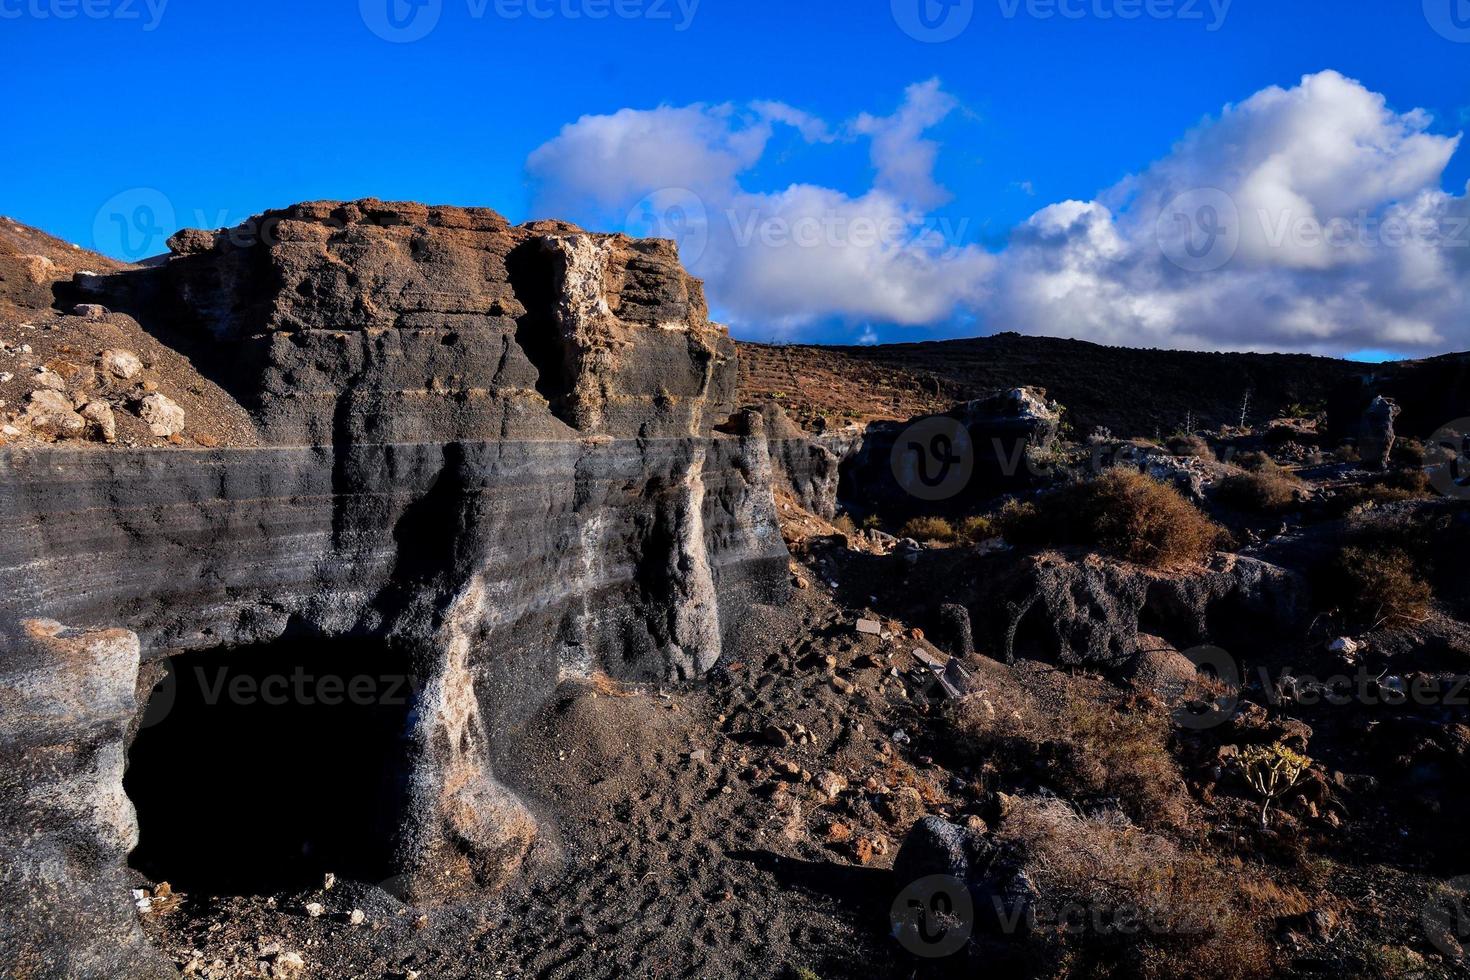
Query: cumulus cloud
{"x": 777, "y": 260}
{"x": 1308, "y": 218}
{"x": 1304, "y": 219}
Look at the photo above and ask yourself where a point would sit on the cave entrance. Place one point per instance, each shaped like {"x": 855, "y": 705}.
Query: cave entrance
{"x": 258, "y": 769}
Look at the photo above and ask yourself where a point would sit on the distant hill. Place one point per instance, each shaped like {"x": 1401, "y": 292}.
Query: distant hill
{"x": 1131, "y": 392}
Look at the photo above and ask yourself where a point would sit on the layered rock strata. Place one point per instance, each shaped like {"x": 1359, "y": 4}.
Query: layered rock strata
{"x": 491, "y": 447}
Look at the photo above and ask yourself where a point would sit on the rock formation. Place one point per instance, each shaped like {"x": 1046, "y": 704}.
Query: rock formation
{"x": 490, "y": 447}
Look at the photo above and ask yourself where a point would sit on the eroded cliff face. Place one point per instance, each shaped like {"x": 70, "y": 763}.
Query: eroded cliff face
{"x": 491, "y": 447}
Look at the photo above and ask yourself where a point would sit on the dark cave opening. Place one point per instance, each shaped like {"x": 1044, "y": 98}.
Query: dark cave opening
{"x": 259, "y": 769}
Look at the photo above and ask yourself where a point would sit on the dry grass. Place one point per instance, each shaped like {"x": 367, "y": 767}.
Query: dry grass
{"x": 1122, "y": 512}
{"x": 1117, "y": 901}
{"x": 1092, "y": 752}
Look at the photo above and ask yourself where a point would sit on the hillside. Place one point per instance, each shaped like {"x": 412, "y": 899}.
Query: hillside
{"x": 1132, "y": 392}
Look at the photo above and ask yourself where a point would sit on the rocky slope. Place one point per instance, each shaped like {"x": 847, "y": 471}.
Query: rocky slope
{"x": 492, "y": 448}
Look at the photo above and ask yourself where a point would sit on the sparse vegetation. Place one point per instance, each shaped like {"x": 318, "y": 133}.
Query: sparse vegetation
{"x": 1272, "y": 771}
{"x": 1262, "y": 491}
{"x": 1201, "y": 921}
{"x": 1375, "y": 586}
{"x": 976, "y": 528}
{"x": 1189, "y": 444}
{"x": 1122, "y": 512}
{"x": 933, "y": 529}
{"x": 1091, "y": 752}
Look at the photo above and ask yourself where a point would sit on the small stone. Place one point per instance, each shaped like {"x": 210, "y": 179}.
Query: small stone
{"x": 830, "y": 783}
{"x": 869, "y": 626}
{"x": 357, "y": 917}
{"x": 100, "y": 421}
{"x": 776, "y": 735}
{"x": 801, "y": 583}
{"x": 164, "y": 417}
{"x": 697, "y": 755}
{"x": 121, "y": 364}
{"x": 90, "y": 311}
{"x": 315, "y": 909}
{"x": 288, "y": 965}
{"x": 329, "y": 881}
{"x": 842, "y": 686}
{"x": 49, "y": 379}
{"x": 6, "y": 376}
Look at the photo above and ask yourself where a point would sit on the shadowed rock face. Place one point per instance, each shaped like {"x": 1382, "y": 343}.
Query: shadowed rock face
{"x": 491, "y": 447}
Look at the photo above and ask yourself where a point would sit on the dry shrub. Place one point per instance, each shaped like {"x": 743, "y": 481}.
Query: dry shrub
{"x": 976, "y": 529}
{"x": 1092, "y": 752}
{"x": 845, "y": 526}
{"x": 928, "y": 529}
{"x": 1375, "y": 585}
{"x": 1267, "y": 490}
{"x": 1122, "y": 512}
{"x": 1189, "y": 445}
{"x": 1117, "y": 901}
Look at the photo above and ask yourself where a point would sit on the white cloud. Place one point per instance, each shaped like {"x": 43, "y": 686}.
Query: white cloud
{"x": 780, "y": 259}
{"x": 1342, "y": 238}
{"x": 1308, "y": 218}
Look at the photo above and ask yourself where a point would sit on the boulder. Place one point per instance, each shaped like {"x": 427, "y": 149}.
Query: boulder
{"x": 100, "y": 422}
{"x": 49, "y": 414}
{"x": 1376, "y": 435}
{"x": 163, "y": 415}
{"x": 123, "y": 365}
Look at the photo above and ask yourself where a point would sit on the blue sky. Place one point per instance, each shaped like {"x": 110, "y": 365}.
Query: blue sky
{"x": 225, "y": 109}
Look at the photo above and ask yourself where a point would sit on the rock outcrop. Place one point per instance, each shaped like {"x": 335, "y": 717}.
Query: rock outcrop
{"x": 1091, "y": 610}
{"x": 491, "y": 447}
{"x": 954, "y": 461}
